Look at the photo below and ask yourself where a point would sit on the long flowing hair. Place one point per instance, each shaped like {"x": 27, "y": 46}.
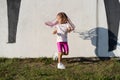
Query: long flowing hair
{"x": 63, "y": 16}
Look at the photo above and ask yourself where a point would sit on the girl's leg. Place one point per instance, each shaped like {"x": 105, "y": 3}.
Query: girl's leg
{"x": 60, "y": 50}
{"x": 66, "y": 48}
{"x": 59, "y": 57}
{"x": 59, "y": 45}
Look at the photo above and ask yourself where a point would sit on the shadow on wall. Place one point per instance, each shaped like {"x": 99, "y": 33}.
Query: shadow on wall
{"x": 113, "y": 19}
{"x": 99, "y": 39}
{"x": 13, "y": 7}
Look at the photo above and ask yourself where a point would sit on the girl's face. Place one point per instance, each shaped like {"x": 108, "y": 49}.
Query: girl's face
{"x": 59, "y": 19}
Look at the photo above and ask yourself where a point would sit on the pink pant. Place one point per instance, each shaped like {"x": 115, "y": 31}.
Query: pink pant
{"x": 63, "y": 47}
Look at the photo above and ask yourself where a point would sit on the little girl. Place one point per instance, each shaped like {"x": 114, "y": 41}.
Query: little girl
{"x": 63, "y": 26}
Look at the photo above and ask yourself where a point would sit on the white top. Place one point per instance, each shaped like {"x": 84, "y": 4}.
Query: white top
{"x": 62, "y": 32}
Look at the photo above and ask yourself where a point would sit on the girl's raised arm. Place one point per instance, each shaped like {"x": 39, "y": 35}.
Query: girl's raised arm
{"x": 51, "y": 23}
{"x": 71, "y": 24}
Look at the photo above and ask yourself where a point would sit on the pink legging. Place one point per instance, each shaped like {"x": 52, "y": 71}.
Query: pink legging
{"x": 63, "y": 47}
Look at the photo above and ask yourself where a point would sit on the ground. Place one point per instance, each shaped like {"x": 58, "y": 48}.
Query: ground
{"x": 45, "y": 69}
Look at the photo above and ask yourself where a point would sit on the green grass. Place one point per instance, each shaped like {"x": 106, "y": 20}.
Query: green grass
{"x": 45, "y": 69}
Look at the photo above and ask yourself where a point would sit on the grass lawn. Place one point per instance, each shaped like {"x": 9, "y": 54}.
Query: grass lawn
{"x": 45, "y": 69}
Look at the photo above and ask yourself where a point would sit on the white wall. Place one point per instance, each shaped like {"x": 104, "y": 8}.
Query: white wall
{"x": 34, "y": 39}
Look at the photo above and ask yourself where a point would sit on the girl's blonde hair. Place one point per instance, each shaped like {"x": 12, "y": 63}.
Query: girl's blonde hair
{"x": 63, "y": 16}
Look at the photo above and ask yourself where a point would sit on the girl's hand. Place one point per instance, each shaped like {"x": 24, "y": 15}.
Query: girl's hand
{"x": 54, "y": 32}
{"x": 72, "y": 28}
{"x": 68, "y": 29}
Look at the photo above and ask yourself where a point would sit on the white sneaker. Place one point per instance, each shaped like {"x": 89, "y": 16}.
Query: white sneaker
{"x": 55, "y": 56}
{"x": 60, "y": 66}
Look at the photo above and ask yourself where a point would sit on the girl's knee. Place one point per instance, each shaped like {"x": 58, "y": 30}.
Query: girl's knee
{"x": 59, "y": 53}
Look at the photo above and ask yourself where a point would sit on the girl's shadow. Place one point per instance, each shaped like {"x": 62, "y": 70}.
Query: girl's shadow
{"x": 99, "y": 38}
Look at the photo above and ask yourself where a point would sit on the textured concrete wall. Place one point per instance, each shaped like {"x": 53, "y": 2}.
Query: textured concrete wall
{"x": 34, "y": 39}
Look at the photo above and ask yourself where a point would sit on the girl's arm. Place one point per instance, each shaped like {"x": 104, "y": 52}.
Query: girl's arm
{"x": 72, "y": 26}
{"x": 51, "y": 23}
{"x": 69, "y": 30}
